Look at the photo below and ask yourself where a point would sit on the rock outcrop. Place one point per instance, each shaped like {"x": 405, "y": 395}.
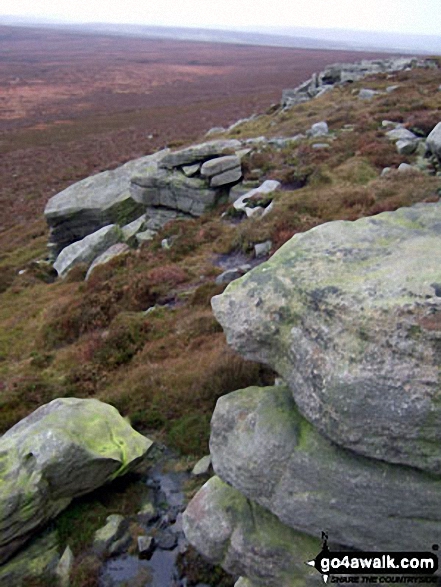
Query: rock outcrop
{"x": 139, "y": 198}
{"x": 96, "y": 201}
{"x": 348, "y": 314}
{"x": 64, "y": 449}
{"x": 340, "y": 73}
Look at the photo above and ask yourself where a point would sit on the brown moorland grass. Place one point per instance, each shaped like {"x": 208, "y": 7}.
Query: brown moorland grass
{"x": 140, "y": 333}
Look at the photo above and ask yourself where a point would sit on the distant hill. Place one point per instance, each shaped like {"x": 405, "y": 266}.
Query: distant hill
{"x": 300, "y": 37}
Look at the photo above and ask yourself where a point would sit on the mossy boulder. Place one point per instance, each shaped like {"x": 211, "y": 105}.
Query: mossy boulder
{"x": 246, "y": 539}
{"x": 262, "y": 446}
{"x": 64, "y": 449}
{"x": 349, "y": 314}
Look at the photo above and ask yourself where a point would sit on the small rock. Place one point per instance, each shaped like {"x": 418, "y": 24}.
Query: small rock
{"x": 319, "y": 146}
{"x": 147, "y": 513}
{"x": 215, "y": 131}
{"x": 405, "y": 167}
{"x": 385, "y": 171}
{"x": 190, "y": 170}
{"x": 406, "y": 147}
{"x": 64, "y": 567}
{"x": 114, "y": 529}
{"x": 166, "y": 540}
{"x": 165, "y": 244}
{"x": 268, "y": 186}
{"x": 146, "y": 235}
{"x": 401, "y": 134}
{"x": 366, "y": 94}
{"x": 386, "y": 123}
{"x": 203, "y": 466}
{"x": 243, "y": 582}
{"x": 262, "y": 249}
{"x": 120, "y": 546}
{"x": 228, "y": 276}
{"x": 390, "y": 89}
{"x": 146, "y": 546}
{"x": 254, "y": 212}
{"x": 319, "y": 129}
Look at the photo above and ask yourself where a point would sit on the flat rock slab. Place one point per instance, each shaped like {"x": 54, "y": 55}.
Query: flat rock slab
{"x": 349, "y": 314}
{"x": 200, "y": 152}
{"x": 64, "y": 449}
{"x": 87, "y": 249}
{"x": 219, "y": 165}
{"x": 261, "y": 445}
{"x": 96, "y": 201}
{"x": 227, "y": 177}
{"x": 246, "y": 539}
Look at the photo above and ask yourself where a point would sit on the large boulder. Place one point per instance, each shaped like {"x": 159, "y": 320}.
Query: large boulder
{"x": 349, "y": 313}
{"x": 64, "y": 449}
{"x": 262, "y": 446}
{"x": 96, "y": 201}
{"x": 87, "y": 249}
{"x": 246, "y": 539}
{"x": 434, "y": 141}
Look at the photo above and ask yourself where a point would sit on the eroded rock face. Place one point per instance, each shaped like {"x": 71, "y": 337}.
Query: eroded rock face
{"x": 62, "y": 450}
{"x": 246, "y": 539}
{"x": 262, "y": 446}
{"x": 349, "y": 314}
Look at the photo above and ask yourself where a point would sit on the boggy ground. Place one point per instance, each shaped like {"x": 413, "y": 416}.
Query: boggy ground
{"x": 165, "y": 369}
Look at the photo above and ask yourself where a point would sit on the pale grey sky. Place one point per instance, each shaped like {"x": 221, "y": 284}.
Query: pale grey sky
{"x": 406, "y": 16}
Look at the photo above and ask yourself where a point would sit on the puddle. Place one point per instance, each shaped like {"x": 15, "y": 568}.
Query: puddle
{"x": 164, "y": 487}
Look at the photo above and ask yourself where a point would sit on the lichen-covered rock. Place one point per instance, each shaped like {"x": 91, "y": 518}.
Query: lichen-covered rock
{"x": 39, "y": 560}
{"x": 349, "y": 314}
{"x": 246, "y": 539}
{"x": 62, "y": 450}
{"x": 262, "y": 446}
{"x": 96, "y": 201}
{"x": 87, "y": 249}
{"x": 105, "y": 537}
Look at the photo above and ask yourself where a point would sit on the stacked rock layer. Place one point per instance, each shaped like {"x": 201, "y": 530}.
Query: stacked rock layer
{"x": 349, "y": 315}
